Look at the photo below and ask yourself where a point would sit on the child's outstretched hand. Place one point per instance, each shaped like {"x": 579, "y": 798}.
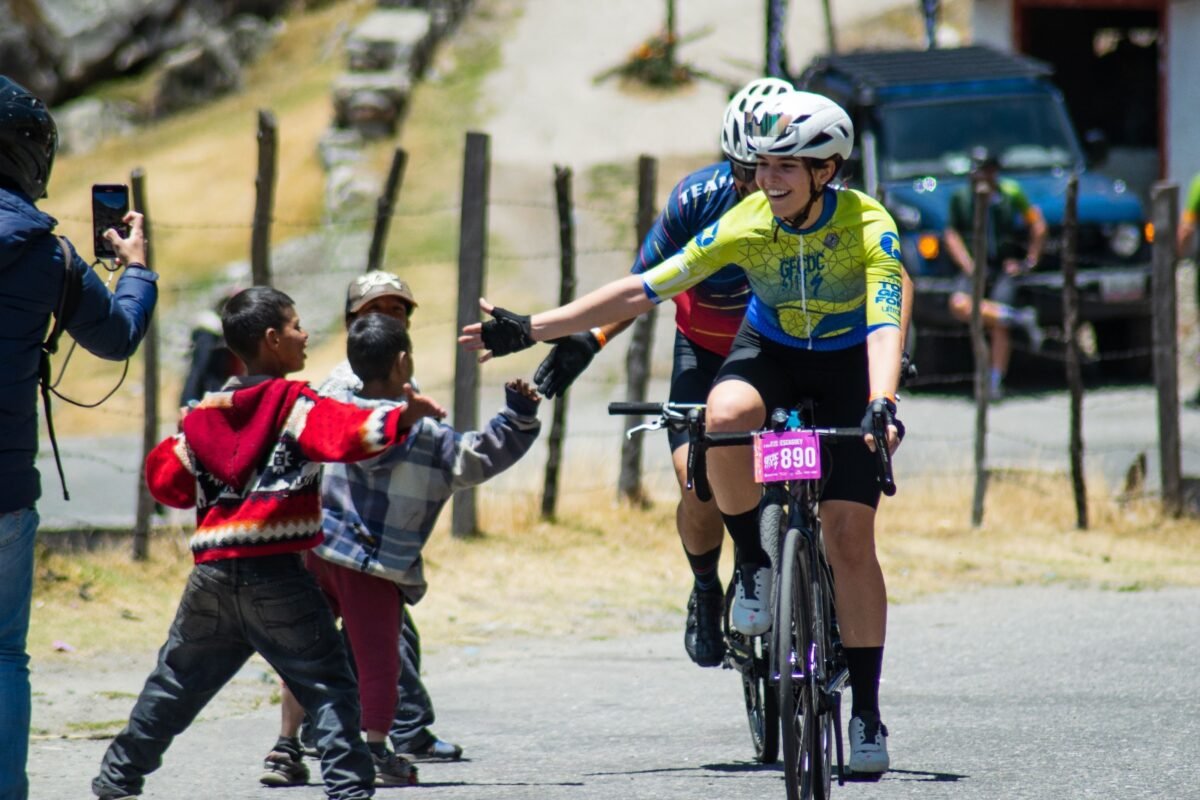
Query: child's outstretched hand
{"x": 521, "y": 397}
{"x": 419, "y": 406}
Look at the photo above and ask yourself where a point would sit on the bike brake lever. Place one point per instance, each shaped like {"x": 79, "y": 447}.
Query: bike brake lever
{"x": 652, "y": 425}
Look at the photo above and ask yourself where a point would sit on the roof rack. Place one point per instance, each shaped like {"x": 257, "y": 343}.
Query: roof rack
{"x": 884, "y": 68}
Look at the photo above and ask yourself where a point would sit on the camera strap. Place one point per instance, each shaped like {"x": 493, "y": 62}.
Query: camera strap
{"x": 68, "y": 302}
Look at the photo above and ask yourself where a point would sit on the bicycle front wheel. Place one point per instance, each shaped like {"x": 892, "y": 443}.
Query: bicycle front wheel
{"x": 798, "y": 696}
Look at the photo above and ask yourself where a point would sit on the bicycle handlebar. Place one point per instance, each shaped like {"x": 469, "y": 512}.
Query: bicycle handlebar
{"x": 692, "y": 415}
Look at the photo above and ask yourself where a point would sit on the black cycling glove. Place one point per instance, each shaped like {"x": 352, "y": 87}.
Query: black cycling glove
{"x": 566, "y": 362}
{"x": 908, "y": 369}
{"x": 506, "y": 332}
{"x": 882, "y": 409}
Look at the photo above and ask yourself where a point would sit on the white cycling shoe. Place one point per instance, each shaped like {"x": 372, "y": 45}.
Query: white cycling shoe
{"x": 868, "y": 745}
{"x": 751, "y": 613}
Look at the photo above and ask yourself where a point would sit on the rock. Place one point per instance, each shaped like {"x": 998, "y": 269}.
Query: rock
{"x": 372, "y": 103}
{"x": 197, "y": 73}
{"x": 83, "y": 124}
{"x": 390, "y": 39}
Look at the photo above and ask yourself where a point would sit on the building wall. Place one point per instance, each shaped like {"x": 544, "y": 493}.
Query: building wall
{"x": 992, "y": 24}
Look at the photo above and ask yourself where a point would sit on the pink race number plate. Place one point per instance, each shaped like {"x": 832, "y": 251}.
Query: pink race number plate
{"x": 786, "y": 456}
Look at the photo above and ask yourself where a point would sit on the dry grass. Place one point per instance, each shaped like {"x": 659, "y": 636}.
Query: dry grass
{"x": 602, "y": 570}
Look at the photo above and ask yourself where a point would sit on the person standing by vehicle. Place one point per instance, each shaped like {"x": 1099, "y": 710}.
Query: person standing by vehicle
{"x": 1008, "y": 210}
{"x": 707, "y": 317}
{"x": 1187, "y": 248}
{"x": 823, "y": 322}
{"x": 37, "y": 271}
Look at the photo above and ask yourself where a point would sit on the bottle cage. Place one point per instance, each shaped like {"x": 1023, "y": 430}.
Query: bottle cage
{"x": 68, "y": 302}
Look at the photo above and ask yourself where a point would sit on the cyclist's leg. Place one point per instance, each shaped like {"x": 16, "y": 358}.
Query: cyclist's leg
{"x": 848, "y": 504}
{"x": 699, "y": 523}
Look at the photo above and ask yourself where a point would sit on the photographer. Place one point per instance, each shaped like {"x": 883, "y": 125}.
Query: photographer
{"x": 42, "y": 276}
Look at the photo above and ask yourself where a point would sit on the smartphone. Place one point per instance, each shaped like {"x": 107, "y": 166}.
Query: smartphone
{"x": 110, "y": 204}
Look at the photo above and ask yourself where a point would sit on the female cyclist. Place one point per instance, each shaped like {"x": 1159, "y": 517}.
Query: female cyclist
{"x": 823, "y": 322}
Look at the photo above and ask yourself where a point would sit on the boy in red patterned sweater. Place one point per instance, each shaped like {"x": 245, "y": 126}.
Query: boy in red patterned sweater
{"x": 249, "y": 459}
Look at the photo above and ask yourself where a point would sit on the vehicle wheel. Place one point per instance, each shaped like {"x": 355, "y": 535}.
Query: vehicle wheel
{"x": 1126, "y": 349}
{"x": 796, "y": 709}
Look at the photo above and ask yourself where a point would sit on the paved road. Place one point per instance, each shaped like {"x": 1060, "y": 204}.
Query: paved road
{"x": 1045, "y": 694}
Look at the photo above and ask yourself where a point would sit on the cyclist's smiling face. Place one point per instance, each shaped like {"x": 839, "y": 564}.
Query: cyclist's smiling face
{"x": 788, "y": 182}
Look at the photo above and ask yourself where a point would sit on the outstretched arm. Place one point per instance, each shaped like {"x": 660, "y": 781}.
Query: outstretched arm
{"x": 620, "y": 300}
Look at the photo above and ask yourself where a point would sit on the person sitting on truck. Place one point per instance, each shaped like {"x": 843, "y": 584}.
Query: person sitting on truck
{"x": 1009, "y": 213}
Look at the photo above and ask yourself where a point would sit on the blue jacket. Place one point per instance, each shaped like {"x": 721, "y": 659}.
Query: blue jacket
{"x": 110, "y": 325}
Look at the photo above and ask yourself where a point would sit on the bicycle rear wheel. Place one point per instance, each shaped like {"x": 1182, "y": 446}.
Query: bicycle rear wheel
{"x": 751, "y": 656}
{"x": 797, "y": 689}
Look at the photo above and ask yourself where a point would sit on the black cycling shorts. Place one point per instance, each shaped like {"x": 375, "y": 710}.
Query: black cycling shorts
{"x": 692, "y": 375}
{"x": 838, "y": 384}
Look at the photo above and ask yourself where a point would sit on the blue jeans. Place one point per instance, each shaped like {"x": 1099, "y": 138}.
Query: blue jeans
{"x": 17, "y": 532}
{"x": 230, "y": 610}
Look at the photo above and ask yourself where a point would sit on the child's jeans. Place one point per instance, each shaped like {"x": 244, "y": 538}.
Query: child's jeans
{"x": 231, "y": 609}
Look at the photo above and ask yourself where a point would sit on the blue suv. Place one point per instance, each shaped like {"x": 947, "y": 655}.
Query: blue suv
{"x": 918, "y": 114}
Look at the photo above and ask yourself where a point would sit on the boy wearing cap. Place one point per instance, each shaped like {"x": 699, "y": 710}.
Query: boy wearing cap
{"x": 376, "y": 519}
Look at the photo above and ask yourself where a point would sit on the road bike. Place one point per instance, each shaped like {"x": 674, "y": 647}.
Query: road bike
{"x": 809, "y": 668}
{"x": 802, "y": 657}
{"x": 749, "y": 656}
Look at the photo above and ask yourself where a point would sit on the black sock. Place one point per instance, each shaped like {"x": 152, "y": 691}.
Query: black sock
{"x": 377, "y": 748}
{"x": 865, "y": 665}
{"x": 743, "y": 529}
{"x": 704, "y": 568}
{"x": 289, "y": 745}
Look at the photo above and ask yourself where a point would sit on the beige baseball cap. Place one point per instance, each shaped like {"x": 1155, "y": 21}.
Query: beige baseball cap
{"x": 366, "y": 288}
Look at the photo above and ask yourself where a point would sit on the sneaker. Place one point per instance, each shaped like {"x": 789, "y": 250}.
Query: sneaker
{"x": 1026, "y": 317}
{"x": 436, "y": 750}
{"x": 394, "y": 770}
{"x": 280, "y": 768}
{"x": 868, "y": 745}
{"x": 751, "y": 612}
{"x": 702, "y": 638}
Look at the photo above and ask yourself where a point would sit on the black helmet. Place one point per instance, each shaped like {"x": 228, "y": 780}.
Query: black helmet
{"x": 28, "y": 138}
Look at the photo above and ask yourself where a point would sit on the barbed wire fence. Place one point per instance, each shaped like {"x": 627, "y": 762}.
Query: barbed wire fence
{"x": 315, "y": 266}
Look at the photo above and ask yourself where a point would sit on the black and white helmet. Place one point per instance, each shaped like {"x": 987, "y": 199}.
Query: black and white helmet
{"x": 749, "y": 97}
{"x": 28, "y": 138}
{"x": 801, "y": 125}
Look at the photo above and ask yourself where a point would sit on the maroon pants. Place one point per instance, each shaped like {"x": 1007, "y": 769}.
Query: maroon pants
{"x": 370, "y": 610}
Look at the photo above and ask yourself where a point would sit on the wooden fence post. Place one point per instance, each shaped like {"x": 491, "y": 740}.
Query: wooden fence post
{"x": 145, "y": 502}
{"x": 979, "y": 343}
{"x": 472, "y": 260}
{"x": 566, "y": 293}
{"x": 264, "y": 201}
{"x": 385, "y": 206}
{"x": 637, "y": 359}
{"x": 1164, "y": 200}
{"x": 1070, "y": 299}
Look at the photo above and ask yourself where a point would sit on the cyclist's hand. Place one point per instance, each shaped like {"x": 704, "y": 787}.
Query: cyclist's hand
{"x": 419, "y": 406}
{"x": 505, "y": 333}
{"x": 882, "y": 411}
{"x": 566, "y": 362}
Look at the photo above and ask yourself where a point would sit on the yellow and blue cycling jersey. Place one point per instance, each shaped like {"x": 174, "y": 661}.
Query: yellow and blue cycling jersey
{"x": 820, "y": 288}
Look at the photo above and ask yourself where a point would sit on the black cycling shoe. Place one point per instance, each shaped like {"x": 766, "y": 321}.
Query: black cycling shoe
{"x": 703, "y": 639}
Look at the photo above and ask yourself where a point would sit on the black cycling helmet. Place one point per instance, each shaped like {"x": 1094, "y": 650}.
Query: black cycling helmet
{"x": 28, "y": 138}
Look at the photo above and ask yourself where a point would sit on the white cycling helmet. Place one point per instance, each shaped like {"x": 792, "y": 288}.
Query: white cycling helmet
{"x": 749, "y": 97}
{"x": 800, "y": 124}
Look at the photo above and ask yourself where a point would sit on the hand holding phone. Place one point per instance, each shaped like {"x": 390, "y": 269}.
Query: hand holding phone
{"x": 110, "y": 204}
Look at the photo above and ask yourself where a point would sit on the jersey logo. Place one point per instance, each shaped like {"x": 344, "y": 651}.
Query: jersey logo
{"x": 708, "y": 235}
{"x": 890, "y": 244}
